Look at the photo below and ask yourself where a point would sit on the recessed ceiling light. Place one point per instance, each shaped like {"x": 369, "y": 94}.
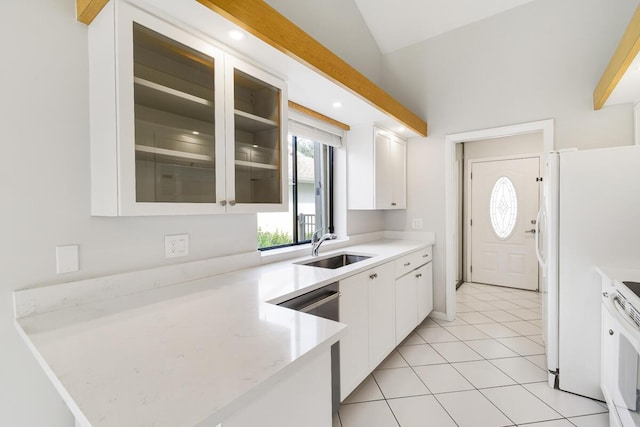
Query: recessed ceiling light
{"x": 255, "y": 145}
{"x": 337, "y": 104}
{"x": 195, "y": 132}
{"x": 401, "y": 129}
{"x": 236, "y": 34}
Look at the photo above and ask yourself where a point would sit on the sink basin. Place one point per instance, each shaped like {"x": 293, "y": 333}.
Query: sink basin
{"x": 336, "y": 261}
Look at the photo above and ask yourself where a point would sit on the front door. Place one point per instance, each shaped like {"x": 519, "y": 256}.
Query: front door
{"x": 504, "y": 204}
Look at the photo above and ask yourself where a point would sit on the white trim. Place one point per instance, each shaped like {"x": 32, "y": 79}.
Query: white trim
{"x": 636, "y": 124}
{"x": 451, "y": 188}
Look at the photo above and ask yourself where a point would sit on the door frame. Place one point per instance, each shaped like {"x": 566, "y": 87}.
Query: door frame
{"x": 467, "y": 199}
{"x": 451, "y": 188}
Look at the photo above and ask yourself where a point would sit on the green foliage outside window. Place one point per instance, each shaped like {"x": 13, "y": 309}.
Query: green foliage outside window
{"x": 267, "y": 238}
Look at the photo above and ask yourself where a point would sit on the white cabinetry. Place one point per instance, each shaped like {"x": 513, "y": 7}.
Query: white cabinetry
{"x": 380, "y": 307}
{"x": 366, "y": 306}
{"x": 178, "y": 126}
{"x": 382, "y": 334}
{"x": 377, "y": 169}
{"x": 354, "y": 345}
{"x": 414, "y": 291}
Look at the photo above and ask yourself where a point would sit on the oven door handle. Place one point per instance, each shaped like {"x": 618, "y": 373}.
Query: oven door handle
{"x": 322, "y": 302}
{"x": 628, "y": 328}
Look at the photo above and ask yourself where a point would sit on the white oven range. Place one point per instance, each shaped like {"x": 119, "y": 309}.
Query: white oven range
{"x": 620, "y": 357}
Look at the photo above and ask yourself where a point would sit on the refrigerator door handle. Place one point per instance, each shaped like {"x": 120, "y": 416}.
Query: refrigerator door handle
{"x": 541, "y": 261}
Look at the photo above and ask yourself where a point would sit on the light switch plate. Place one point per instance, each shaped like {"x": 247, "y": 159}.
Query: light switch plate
{"x": 67, "y": 259}
{"x": 176, "y": 245}
{"x": 417, "y": 224}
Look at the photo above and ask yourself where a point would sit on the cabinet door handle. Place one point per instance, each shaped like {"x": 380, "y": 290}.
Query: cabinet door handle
{"x": 232, "y": 202}
{"x": 223, "y": 203}
{"x": 418, "y": 276}
{"x": 407, "y": 264}
{"x": 393, "y": 203}
{"x": 373, "y": 276}
{"x": 425, "y": 256}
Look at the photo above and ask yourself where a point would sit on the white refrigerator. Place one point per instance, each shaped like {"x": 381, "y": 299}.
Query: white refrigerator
{"x": 590, "y": 217}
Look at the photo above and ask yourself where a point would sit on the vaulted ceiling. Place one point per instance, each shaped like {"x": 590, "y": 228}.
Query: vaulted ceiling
{"x": 395, "y": 24}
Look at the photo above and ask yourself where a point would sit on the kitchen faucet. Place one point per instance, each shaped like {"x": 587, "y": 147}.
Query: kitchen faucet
{"x": 316, "y": 240}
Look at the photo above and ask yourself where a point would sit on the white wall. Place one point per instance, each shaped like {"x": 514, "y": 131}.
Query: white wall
{"x": 339, "y": 26}
{"x": 538, "y": 61}
{"x": 528, "y": 143}
{"x": 45, "y": 193}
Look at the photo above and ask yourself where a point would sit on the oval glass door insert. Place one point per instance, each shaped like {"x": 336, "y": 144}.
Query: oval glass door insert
{"x": 503, "y": 207}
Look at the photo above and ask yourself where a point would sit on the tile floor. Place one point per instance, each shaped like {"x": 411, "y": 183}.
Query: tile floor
{"x": 486, "y": 368}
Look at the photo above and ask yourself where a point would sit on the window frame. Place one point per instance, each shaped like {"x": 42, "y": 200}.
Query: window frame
{"x": 294, "y": 190}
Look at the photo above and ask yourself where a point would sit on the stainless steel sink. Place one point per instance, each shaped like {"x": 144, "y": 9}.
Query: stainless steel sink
{"x": 336, "y": 261}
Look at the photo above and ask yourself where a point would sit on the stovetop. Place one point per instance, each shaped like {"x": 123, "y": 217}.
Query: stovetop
{"x": 633, "y": 287}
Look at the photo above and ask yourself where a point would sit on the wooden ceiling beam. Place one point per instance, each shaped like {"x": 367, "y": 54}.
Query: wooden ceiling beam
{"x": 264, "y": 22}
{"x": 622, "y": 58}
{"x": 87, "y": 10}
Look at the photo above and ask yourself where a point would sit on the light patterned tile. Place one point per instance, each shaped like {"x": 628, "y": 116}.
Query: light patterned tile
{"x": 491, "y": 349}
{"x": 521, "y": 370}
{"x": 597, "y": 420}
{"x": 442, "y": 378}
{"x": 523, "y": 327}
{"x": 394, "y": 360}
{"x": 439, "y": 334}
{"x": 520, "y": 405}
{"x": 483, "y": 374}
{"x": 568, "y": 404}
{"x": 522, "y": 345}
{"x": 400, "y": 382}
{"x": 370, "y": 414}
{"x": 497, "y": 330}
{"x": 417, "y": 355}
{"x": 413, "y": 339}
{"x": 500, "y": 316}
{"x": 474, "y": 317}
{"x": 472, "y": 409}
{"x": 466, "y": 332}
{"x": 367, "y": 391}
{"x": 456, "y": 351}
{"x": 414, "y": 411}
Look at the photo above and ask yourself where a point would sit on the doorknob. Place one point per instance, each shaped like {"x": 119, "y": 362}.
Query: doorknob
{"x": 532, "y": 231}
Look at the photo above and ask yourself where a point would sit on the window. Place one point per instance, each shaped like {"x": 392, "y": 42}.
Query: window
{"x": 310, "y": 197}
{"x": 503, "y": 207}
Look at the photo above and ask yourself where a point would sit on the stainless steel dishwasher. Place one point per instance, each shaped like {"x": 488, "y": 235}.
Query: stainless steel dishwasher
{"x": 323, "y": 302}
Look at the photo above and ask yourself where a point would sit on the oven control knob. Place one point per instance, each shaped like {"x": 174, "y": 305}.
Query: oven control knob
{"x": 610, "y": 331}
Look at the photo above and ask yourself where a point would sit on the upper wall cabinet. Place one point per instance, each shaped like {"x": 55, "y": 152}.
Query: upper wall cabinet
{"x": 377, "y": 169}
{"x": 178, "y": 126}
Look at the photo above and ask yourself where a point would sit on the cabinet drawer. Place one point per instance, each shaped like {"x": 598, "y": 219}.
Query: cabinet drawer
{"x": 412, "y": 261}
{"x": 405, "y": 264}
{"x": 423, "y": 256}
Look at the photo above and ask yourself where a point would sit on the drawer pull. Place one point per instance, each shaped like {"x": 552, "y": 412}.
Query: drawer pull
{"x": 425, "y": 256}
{"x": 373, "y": 276}
{"x": 418, "y": 276}
{"x": 407, "y": 264}
{"x": 393, "y": 203}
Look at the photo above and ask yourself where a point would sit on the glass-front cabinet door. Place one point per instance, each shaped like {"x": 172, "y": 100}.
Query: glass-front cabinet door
{"x": 179, "y": 126}
{"x": 171, "y": 113}
{"x": 255, "y": 114}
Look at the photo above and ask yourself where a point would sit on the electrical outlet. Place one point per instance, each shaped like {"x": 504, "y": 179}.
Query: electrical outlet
{"x": 176, "y": 245}
{"x": 417, "y": 224}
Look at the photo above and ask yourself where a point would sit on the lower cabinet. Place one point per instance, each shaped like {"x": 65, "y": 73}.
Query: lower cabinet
{"x": 382, "y": 314}
{"x": 406, "y": 305}
{"x": 380, "y": 307}
{"x": 414, "y": 299}
{"x": 354, "y": 345}
{"x": 424, "y": 279}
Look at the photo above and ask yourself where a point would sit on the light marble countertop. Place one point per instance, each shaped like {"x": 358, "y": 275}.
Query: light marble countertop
{"x": 193, "y": 352}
